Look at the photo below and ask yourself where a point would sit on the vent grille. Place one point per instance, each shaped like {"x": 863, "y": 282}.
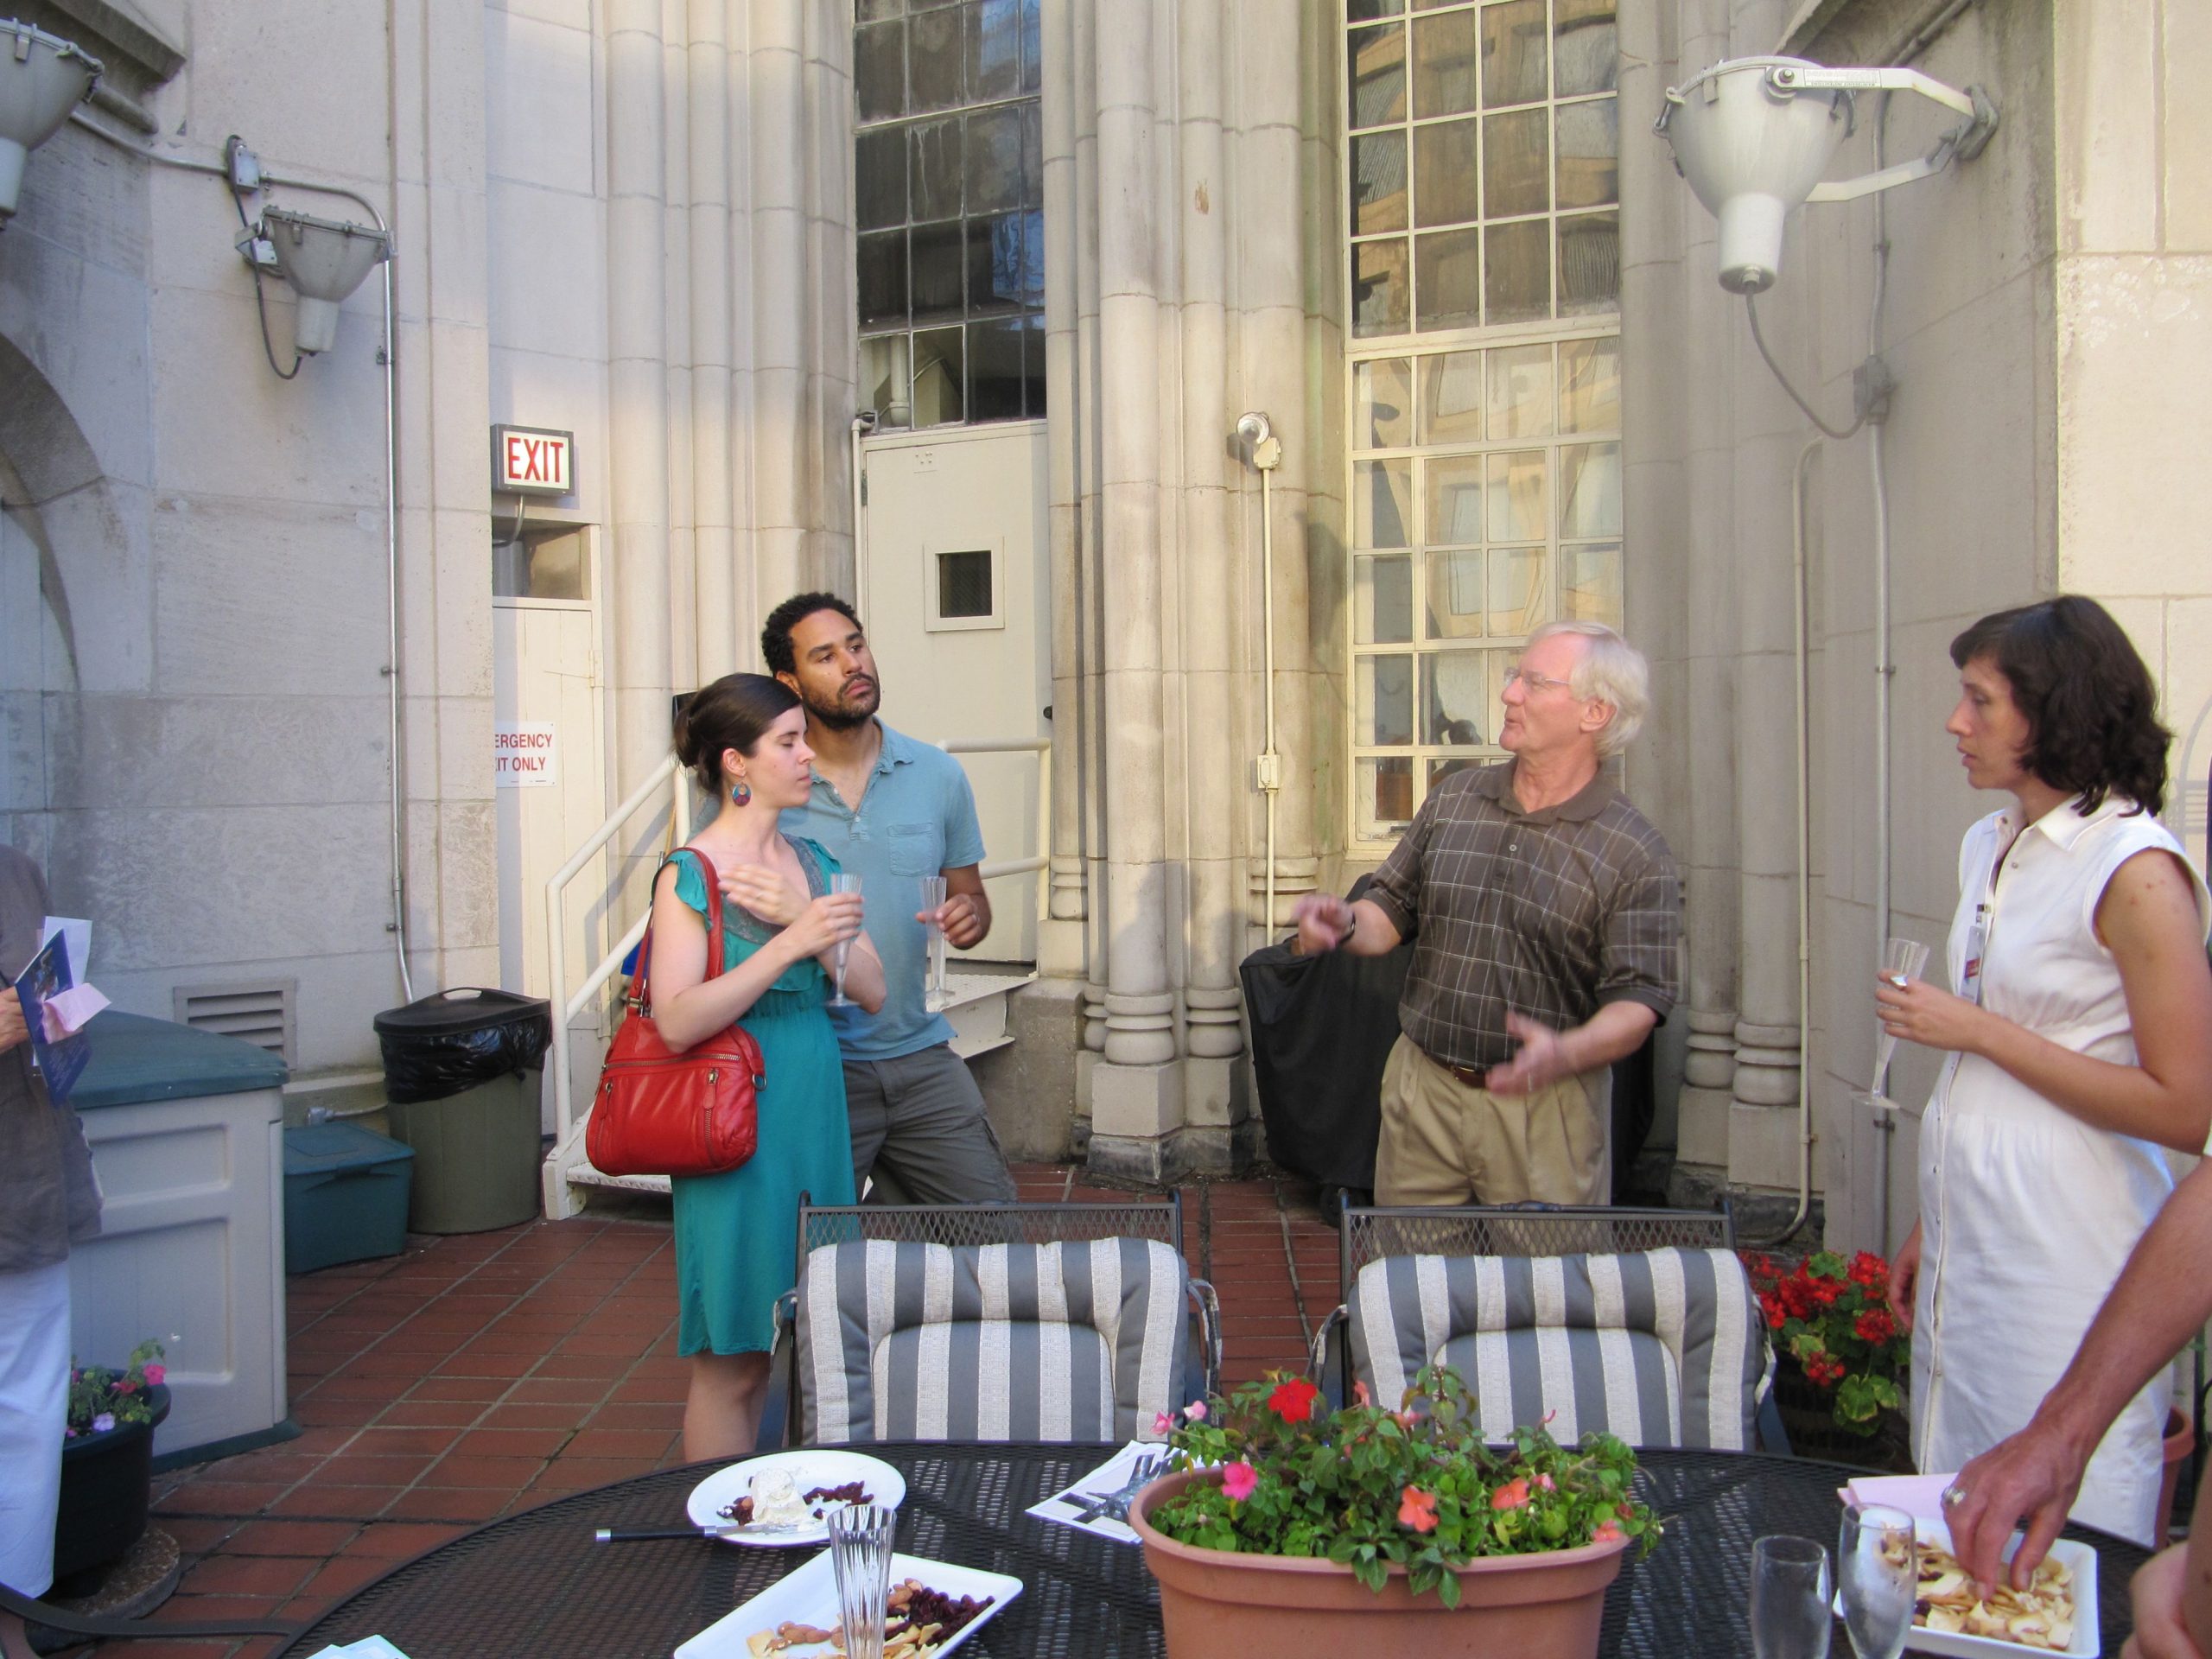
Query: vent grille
{"x": 260, "y": 1012}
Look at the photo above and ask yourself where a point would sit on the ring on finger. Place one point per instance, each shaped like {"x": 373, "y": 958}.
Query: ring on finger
{"x": 1954, "y": 1495}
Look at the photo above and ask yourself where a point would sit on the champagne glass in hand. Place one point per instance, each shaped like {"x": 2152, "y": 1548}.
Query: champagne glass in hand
{"x": 935, "y": 996}
{"x": 1902, "y": 960}
{"x": 1877, "y": 1560}
{"x": 1790, "y": 1592}
{"x": 843, "y": 882}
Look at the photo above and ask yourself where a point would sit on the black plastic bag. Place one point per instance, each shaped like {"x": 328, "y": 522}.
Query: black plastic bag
{"x": 1322, "y": 1030}
{"x": 456, "y": 1039}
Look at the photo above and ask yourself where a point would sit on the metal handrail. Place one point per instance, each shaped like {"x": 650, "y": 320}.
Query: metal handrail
{"x": 669, "y": 773}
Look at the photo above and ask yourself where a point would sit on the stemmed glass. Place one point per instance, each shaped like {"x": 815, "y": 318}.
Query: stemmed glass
{"x": 1878, "y": 1560}
{"x": 843, "y": 882}
{"x": 936, "y": 998}
{"x": 1902, "y": 960}
{"x": 1790, "y": 1595}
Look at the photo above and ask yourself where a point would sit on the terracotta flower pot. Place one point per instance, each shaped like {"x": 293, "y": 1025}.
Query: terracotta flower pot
{"x": 1219, "y": 1605}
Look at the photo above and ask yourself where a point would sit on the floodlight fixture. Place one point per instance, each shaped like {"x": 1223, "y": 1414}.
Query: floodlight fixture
{"x": 1752, "y": 137}
{"x": 324, "y": 260}
{"x": 42, "y": 78}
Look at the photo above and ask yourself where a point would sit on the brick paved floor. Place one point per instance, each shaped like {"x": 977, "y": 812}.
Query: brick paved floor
{"x": 475, "y": 1376}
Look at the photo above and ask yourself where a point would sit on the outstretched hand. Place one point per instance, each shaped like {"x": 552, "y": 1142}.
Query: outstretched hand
{"x": 2033, "y": 1475}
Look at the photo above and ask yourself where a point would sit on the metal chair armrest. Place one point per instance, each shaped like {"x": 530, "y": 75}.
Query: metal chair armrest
{"x": 783, "y": 1369}
{"x": 1208, "y": 1307}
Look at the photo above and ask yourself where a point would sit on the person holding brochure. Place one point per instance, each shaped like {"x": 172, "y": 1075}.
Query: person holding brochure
{"x": 49, "y": 1201}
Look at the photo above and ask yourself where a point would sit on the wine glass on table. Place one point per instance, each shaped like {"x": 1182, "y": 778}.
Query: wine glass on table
{"x": 1878, "y": 1561}
{"x": 1790, "y": 1595}
{"x": 843, "y": 882}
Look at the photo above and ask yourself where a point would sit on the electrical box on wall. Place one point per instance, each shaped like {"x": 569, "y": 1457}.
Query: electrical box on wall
{"x": 532, "y": 461}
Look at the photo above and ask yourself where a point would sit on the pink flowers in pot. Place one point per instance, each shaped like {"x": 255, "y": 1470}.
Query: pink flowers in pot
{"x": 102, "y": 1399}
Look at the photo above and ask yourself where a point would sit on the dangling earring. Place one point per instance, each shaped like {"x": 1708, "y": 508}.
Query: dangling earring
{"x": 741, "y": 793}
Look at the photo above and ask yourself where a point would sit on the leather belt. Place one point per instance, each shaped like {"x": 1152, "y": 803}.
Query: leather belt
{"x": 1472, "y": 1076}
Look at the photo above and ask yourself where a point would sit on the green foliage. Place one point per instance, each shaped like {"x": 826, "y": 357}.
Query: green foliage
{"x": 1833, "y": 1317}
{"x": 1372, "y": 1489}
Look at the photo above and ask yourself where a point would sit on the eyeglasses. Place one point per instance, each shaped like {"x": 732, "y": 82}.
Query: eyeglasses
{"x": 1534, "y": 682}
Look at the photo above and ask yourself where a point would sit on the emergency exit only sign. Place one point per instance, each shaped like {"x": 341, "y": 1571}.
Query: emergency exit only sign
{"x": 532, "y": 461}
{"x": 524, "y": 756}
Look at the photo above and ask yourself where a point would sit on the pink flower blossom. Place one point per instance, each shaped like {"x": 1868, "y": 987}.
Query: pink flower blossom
{"x": 1162, "y": 1423}
{"x": 155, "y": 1373}
{"x": 1514, "y": 1495}
{"x": 1606, "y": 1532}
{"x": 1239, "y": 1480}
{"x": 1417, "y": 1510}
{"x": 1196, "y": 1411}
{"x": 1545, "y": 1483}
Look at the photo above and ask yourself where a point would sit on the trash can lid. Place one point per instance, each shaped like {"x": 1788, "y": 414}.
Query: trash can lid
{"x": 319, "y": 1148}
{"x": 465, "y": 1007}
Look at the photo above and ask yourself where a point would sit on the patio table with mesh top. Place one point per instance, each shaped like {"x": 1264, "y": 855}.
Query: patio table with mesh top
{"x": 538, "y": 1586}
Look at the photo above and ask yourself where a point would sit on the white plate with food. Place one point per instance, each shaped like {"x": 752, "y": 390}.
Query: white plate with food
{"x": 785, "y": 1498}
{"x": 2057, "y": 1614}
{"x": 935, "y": 1606}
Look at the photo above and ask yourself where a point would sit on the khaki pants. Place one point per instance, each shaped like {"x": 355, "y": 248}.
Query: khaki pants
{"x": 1445, "y": 1142}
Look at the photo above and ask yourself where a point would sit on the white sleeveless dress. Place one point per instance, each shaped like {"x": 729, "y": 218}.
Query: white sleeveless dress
{"x": 2027, "y": 1213}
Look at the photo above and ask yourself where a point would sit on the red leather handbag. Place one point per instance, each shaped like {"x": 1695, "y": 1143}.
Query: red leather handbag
{"x": 663, "y": 1113}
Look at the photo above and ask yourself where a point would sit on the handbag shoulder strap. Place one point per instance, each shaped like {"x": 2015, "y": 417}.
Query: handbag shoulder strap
{"x": 640, "y": 997}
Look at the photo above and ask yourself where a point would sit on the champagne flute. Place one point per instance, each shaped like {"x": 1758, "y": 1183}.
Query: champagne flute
{"x": 1790, "y": 1593}
{"x": 843, "y": 882}
{"x": 1902, "y": 960}
{"x": 935, "y": 998}
{"x": 1878, "y": 1560}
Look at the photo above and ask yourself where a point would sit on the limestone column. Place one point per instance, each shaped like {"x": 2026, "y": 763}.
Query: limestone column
{"x": 638, "y": 577}
{"x": 1135, "y": 1090}
{"x": 716, "y": 647}
{"x": 676, "y": 271}
{"x": 1217, "y": 769}
{"x": 1091, "y": 574}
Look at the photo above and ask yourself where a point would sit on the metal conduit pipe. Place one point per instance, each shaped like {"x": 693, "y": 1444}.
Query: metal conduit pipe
{"x": 389, "y": 355}
{"x": 1266, "y": 455}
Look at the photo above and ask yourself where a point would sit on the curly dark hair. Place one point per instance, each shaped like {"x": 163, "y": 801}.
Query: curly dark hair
{"x": 776, "y": 631}
{"x": 2091, "y": 708}
{"x": 731, "y": 714}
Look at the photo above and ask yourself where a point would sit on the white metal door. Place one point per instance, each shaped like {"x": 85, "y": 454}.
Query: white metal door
{"x": 550, "y": 793}
{"x": 955, "y": 596}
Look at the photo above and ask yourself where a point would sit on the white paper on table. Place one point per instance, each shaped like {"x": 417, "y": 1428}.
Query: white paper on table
{"x": 369, "y": 1647}
{"x": 1064, "y": 1508}
{"x": 79, "y": 932}
{"x": 1920, "y": 1497}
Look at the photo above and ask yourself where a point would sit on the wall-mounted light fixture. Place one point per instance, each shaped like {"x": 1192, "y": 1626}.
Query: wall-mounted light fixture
{"x": 42, "y": 78}
{"x": 324, "y": 260}
{"x": 1752, "y": 137}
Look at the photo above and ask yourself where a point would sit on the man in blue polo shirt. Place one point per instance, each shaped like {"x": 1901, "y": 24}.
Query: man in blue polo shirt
{"x": 891, "y": 810}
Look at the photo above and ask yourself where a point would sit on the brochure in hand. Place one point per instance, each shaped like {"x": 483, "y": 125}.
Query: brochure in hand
{"x": 60, "y": 1061}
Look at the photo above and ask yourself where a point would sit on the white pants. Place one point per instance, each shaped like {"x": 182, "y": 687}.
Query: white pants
{"x": 33, "y": 1408}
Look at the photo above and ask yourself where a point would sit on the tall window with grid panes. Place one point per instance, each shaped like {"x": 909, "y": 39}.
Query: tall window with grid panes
{"x": 948, "y": 190}
{"x": 1483, "y": 203}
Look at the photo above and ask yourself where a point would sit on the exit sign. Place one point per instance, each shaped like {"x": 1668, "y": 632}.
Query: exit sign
{"x": 530, "y": 461}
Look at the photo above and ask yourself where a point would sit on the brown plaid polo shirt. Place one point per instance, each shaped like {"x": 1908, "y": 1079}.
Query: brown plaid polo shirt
{"x": 1550, "y": 915}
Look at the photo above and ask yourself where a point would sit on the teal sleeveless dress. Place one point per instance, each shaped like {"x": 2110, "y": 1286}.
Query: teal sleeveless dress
{"x": 735, "y": 1231}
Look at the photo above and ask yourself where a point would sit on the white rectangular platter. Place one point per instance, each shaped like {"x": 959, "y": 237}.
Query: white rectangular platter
{"x": 809, "y": 1596}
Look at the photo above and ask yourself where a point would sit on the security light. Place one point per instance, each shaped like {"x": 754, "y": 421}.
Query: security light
{"x": 1752, "y": 137}
{"x": 324, "y": 260}
{"x": 42, "y": 78}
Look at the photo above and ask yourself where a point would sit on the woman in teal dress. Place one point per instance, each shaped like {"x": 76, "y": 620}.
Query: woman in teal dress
{"x": 744, "y": 736}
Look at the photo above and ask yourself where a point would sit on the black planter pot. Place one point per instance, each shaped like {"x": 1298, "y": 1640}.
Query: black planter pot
{"x": 107, "y": 1483}
{"x": 1808, "y": 1417}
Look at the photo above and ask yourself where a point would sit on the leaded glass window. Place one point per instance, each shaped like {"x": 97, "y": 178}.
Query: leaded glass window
{"x": 949, "y": 195}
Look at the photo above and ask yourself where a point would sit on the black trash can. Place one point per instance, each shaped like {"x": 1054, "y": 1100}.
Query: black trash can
{"x": 463, "y": 1071}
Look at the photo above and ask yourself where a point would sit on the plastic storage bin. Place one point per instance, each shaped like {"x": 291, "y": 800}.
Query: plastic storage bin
{"x": 462, "y": 1073}
{"x": 345, "y": 1195}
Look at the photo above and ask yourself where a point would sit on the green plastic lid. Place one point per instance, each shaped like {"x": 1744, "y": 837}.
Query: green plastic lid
{"x": 135, "y": 1058}
{"x": 322, "y": 1148}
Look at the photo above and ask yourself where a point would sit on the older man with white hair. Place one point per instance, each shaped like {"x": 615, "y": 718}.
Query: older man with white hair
{"x": 1545, "y": 914}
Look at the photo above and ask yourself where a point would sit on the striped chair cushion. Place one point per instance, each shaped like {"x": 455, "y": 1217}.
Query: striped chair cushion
{"x": 1660, "y": 1347}
{"x": 1082, "y": 1340}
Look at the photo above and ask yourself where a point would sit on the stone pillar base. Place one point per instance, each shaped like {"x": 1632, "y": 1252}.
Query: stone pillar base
{"x": 1701, "y": 1131}
{"x": 1763, "y": 1147}
{"x": 1138, "y": 1160}
{"x": 1217, "y": 1093}
{"x": 1135, "y": 1102}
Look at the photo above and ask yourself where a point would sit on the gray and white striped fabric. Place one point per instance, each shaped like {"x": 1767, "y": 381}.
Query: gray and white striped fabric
{"x": 1660, "y": 1347}
{"x": 1081, "y": 1340}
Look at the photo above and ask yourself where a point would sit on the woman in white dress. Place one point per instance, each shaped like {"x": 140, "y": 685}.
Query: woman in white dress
{"x": 2080, "y": 1038}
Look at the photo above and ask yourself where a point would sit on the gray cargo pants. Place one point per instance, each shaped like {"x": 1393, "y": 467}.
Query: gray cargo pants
{"x": 919, "y": 1126}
